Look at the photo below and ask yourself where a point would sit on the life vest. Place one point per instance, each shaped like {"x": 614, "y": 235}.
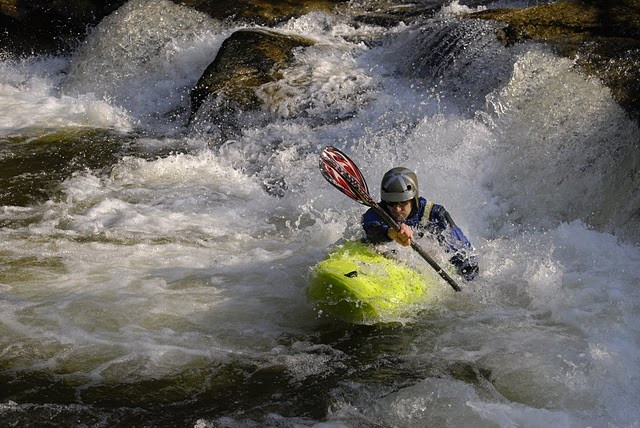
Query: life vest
{"x": 426, "y": 214}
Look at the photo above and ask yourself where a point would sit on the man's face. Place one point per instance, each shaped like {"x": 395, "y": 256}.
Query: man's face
{"x": 400, "y": 210}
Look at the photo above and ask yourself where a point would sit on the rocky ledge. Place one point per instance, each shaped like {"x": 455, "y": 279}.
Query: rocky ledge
{"x": 260, "y": 12}
{"x": 246, "y": 60}
{"x": 601, "y": 36}
{"x": 49, "y": 26}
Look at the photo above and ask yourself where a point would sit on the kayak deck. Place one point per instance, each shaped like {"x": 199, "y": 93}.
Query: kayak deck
{"x": 361, "y": 286}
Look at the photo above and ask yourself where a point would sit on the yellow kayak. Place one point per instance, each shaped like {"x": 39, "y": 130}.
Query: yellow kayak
{"x": 361, "y": 286}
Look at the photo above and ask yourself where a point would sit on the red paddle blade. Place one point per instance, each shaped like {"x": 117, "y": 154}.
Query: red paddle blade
{"x": 342, "y": 173}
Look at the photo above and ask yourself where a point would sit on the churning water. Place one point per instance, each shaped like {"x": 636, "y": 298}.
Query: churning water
{"x": 161, "y": 280}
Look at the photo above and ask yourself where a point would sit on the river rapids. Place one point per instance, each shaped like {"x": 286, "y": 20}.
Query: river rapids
{"x": 152, "y": 274}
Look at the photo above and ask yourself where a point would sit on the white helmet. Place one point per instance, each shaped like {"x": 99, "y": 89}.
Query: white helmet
{"x": 398, "y": 185}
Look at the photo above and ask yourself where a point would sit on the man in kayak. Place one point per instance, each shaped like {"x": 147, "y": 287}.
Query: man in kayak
{"x": 416, "y": 216}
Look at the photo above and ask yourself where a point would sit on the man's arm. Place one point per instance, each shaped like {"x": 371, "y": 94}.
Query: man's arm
{"x": 375, "y": 229}
{"x": 453, "y": 240}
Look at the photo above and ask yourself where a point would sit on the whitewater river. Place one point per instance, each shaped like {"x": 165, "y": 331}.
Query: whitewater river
{"x": 153, "y": 273}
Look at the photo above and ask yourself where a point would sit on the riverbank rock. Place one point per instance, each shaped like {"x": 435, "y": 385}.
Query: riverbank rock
{"x": 41, "y": 26}
{"x": 46, "y": 26}
{"x": 245, "y": 61}
{"x": 601, "y": 36}
{"x": 385, "y": 14}
{"x": 261, "y": 12}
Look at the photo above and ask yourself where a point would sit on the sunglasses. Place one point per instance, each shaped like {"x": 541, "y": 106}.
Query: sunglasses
{"x": 401, "y": 204}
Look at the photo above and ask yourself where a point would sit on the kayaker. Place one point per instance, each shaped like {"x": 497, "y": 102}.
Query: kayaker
{"x": 416, "y": 216}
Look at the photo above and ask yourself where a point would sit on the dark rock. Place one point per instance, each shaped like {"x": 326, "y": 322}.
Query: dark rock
{"x": 245, "y": 61}
{"x": 261, "y": 12}
{"x": 40, "y": 26}
{"x": 392, "y": 15}
{"x": 602, "y": 36}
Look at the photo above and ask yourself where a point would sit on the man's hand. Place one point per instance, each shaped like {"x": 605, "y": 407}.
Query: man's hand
{"x": 467, "y": 267}
{"x": 403, "y": 236}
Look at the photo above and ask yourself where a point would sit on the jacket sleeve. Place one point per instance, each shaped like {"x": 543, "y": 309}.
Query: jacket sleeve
{"x": 453, "y": 241}
{"x": 448, "y": 234}
{"x": 375, "y": 229}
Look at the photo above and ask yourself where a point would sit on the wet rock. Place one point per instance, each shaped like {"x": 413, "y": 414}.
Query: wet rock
{"x": 261, "y": 12}
{"x": 245, "y": 61}
{"x": 602, "y": 36}
{"x": 41, "y": 26}
{"x": 388, "y": 14}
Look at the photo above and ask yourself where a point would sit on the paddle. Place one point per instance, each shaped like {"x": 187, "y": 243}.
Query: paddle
{"x": 343, "y": 174}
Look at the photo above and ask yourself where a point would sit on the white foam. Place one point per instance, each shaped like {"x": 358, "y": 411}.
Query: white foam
{"x": 145, "y": 58}
{"x": 560, "y": 139}
{"x": 29, "y": 99}
{"x": 324, "y": 85}
{"x": 455, "y": 8}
